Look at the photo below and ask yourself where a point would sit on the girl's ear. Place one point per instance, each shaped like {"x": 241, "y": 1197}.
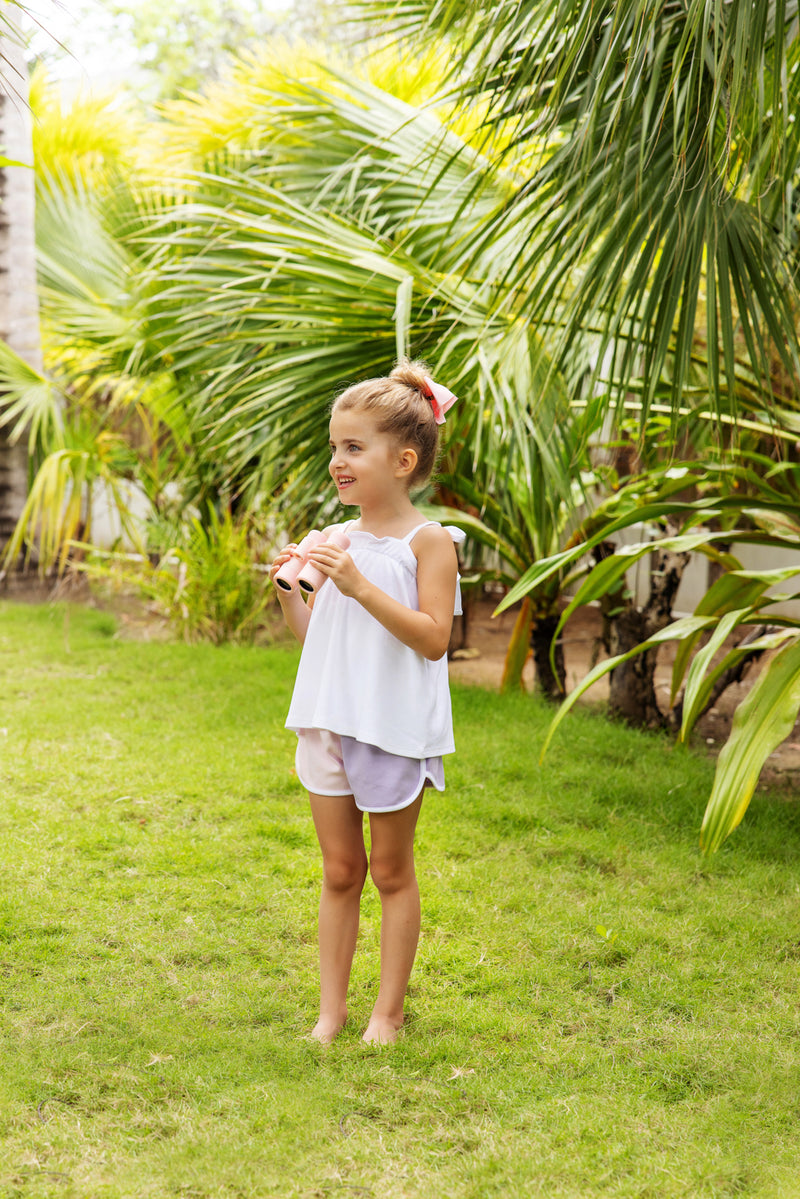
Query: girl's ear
{"x": 406, "y": 462}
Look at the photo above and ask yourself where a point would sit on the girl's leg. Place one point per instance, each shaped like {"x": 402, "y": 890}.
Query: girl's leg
{"x": 340, "y": 831}
{"x": 391, "y": 864}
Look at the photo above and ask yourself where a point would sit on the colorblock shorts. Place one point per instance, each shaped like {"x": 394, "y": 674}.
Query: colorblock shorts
{"x": 328, "y": 764}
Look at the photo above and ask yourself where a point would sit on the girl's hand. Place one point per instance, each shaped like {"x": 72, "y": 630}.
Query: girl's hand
{"x": 281, "y": 558}
{"x": 337, "y": 564}
{"x": 296, "y": 612}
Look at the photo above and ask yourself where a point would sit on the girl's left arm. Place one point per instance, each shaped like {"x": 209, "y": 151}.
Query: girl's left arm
{"x": 426, "y": 631}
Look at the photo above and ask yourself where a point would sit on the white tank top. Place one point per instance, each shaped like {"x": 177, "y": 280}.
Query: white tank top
{"x": 357, "y": 679}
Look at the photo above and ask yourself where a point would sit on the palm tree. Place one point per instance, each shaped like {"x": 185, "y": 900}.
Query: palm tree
{"x": 660, "y": 203}
{"x": 309, "y": 253}
{"x": 314, "y": 251}
{"x": 19, "y": 316}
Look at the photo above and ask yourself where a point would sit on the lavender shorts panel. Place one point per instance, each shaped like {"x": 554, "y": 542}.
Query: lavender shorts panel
{"x": 327, "y": 764}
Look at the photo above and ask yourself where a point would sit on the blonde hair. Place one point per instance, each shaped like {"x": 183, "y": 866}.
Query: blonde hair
{"x": 399, "y": 404}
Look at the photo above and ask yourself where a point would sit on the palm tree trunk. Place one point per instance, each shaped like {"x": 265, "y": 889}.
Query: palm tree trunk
{"x": 551, "y": 684}
{"x": 632, "y": 692}
{"x": 19, "y": 307}
{"x": 534, "y": 631}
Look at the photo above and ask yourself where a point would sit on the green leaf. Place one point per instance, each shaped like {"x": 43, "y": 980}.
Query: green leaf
{"x": 704, "y": 685}
{"x": 29, "y": 402}
{"x": 731, "y": 591}
{"x": 698, "y": 684}
{"x": 762, "y": 721}
{"x": 687, "y": 626}
{"x": 608, "y": 572}
{"x": 402, "y": 315}
{"x": 603, "y": 526}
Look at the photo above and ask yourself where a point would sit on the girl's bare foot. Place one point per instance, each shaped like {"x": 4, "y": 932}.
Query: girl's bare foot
{"x": 382, "y": 1031}
{"x": 327, "y": 1029}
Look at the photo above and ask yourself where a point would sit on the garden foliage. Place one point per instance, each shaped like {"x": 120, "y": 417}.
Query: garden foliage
{"x": 571, "y": 212}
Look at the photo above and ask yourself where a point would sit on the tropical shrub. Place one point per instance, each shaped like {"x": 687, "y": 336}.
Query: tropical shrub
{"x": 208, "y": 582}
{"x": 223, "y": 309}
{"x": 765, "y": 509}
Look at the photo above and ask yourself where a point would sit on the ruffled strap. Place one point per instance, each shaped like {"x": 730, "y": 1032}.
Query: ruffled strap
{"x": 458, "y": 535}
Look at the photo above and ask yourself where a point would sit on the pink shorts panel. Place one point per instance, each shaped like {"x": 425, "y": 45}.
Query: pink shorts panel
{"x": 319, "y": 764}
{"x": 327, "y": 764}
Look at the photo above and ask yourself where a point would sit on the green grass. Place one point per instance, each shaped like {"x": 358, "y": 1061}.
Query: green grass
{"x": 158, "y": 961}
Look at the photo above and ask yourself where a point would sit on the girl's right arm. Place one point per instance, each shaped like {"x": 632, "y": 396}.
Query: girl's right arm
{"x": 296, "y": 612}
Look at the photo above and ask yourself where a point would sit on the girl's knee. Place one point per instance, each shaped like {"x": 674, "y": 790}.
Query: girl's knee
{"x": 345, "y": 874}
{"x": 391, "y": 874}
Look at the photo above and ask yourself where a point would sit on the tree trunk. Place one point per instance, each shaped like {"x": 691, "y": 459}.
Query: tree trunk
{"x": 551, "y": 684}
{"x": 19, "y": 307}
{"x": 632, "y": 693}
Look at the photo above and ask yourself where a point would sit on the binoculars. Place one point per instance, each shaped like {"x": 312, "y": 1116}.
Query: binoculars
{"x": 300, "y": 571}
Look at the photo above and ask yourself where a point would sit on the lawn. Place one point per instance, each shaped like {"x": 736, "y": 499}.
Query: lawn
{"x": 595, "y": 1009}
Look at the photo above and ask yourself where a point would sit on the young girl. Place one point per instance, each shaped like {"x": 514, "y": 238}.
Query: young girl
{"x": 371, "y": 704}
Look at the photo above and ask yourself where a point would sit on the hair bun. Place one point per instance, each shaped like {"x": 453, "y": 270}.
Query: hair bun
{"x": 412, "y": 373}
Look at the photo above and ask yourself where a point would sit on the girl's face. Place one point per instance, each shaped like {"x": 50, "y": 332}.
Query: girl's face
{"x": 366, "y": 465}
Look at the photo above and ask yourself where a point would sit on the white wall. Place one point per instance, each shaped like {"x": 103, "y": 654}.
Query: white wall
{"x": 107, "y": 532}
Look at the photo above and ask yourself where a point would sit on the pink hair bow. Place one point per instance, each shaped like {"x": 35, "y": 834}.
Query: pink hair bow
{"x": 441, "y": 399}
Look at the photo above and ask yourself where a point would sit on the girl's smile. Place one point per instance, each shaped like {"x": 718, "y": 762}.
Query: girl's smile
{"x": 364, "y": 461}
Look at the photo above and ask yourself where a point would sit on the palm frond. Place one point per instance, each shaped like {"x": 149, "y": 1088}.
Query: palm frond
{"x": 91, "y": 136}
{"x": 668, "y": 153}
{"x": 30, "y": 405}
